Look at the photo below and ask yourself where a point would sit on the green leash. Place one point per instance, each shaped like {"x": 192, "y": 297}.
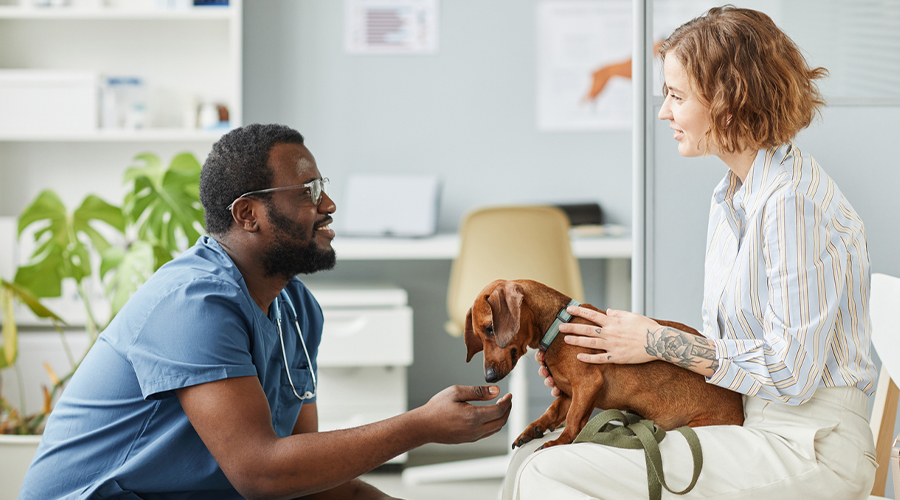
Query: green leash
{"x": 635, "y": 434}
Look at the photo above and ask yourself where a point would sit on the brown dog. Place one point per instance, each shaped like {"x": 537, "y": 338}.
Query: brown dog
{"x": 508, "y": 317}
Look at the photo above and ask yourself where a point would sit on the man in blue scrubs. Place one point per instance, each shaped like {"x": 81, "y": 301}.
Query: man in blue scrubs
{"x": 195, "y": 392}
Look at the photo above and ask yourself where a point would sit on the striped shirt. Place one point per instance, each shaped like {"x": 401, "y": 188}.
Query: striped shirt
{"x": 786, "y": 289}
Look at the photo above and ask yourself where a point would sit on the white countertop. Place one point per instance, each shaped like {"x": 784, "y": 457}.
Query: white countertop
{"x": 446, "y": 246}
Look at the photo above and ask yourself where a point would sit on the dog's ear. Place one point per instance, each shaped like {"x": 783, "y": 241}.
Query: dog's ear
{"x": 473, "y": 342}
{"x": 506, "y": 306}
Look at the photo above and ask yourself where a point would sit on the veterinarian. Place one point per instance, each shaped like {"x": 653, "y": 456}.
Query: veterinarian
{"x": 204, "y": 386}
{"x": 785, "y": 307}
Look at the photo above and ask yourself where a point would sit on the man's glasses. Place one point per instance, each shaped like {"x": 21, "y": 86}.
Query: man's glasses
{"x": 316, "y": 189}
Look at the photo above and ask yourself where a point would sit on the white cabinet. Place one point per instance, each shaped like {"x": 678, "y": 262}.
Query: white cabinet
{"x": 367, "y": 336}
{"x": 367, "y": 345}
{"x": 184, "y": 58}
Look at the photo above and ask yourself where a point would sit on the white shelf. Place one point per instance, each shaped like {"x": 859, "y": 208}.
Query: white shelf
{"x": 73, "y": 14}
{"x": 145, "y": 135}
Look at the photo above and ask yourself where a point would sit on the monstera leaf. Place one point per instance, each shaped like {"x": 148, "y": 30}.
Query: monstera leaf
{"x": 63, "y": 241}
{"x": 9, "y": 292}
{"x": 164, "y": 203}
{"x": 133, "y": 266}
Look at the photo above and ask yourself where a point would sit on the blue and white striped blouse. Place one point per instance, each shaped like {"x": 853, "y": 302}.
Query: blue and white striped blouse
{"x": 786, "y": 291}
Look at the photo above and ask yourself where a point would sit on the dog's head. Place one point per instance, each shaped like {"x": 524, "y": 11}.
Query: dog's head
{"x": 498, "y": 324}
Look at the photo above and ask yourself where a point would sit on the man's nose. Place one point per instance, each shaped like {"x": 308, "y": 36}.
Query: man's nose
{"x": 327, "y": 204}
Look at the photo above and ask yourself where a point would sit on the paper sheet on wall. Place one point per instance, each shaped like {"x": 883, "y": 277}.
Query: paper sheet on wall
{"x": 391, "y": 26}
{"x": 576, "y": 39}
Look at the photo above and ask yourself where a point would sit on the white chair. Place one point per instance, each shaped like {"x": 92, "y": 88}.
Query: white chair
{"x": 884, "y": 308}
{"x": 512, "y": 242}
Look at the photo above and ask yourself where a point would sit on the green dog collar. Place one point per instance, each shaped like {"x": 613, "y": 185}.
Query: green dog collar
{"x": 561, "y": 317}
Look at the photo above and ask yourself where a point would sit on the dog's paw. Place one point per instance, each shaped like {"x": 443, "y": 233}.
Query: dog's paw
{"x": 549, "y": 444}
{"x": 563, "y": 439}
{"x": 531, "y": 433}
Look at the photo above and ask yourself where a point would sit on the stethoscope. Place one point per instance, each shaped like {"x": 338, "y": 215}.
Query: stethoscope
{"x": 283, "y": 297}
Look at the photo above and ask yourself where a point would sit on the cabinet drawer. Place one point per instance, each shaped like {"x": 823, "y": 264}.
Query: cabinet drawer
{"x": 351, "y": 389}
{"x": 367, "y": 337}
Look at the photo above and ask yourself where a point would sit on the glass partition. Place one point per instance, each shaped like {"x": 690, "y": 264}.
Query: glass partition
{"x": 857, "y": 41}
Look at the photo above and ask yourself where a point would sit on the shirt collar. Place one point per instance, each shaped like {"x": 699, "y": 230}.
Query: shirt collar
{"x": 764, "y": 171}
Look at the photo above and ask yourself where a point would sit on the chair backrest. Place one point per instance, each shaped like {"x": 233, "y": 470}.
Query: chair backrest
{"x": 511, "y": 242}
{"x": 884, "y": 311}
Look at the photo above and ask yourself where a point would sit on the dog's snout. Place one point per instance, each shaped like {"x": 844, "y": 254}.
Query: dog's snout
{"x": 491, "y": 375}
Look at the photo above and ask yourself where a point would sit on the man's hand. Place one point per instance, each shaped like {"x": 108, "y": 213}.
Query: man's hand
{"x": 450, "y": 419}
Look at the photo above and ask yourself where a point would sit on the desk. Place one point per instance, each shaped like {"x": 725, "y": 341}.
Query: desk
{"x": 446, "y": 246}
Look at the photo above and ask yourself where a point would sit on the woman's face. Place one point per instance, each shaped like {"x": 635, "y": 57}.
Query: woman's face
{"x": 688, "y": 116}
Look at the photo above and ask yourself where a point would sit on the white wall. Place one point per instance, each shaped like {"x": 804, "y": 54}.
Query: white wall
{"x": 466, "y": 113}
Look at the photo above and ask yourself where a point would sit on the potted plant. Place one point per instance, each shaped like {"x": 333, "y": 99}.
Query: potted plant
{"x": 16, "y": 442}
{"x": 117, "y": 246}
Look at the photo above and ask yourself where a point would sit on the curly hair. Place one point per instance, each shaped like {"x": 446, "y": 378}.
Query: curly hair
{"x": 239, "y": 163}
{"x": 759, "y": 88}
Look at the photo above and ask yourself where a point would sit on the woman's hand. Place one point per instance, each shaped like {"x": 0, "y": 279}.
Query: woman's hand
{"x": 624, "y": 336}
{"x": 629, "y": 338}
{"x": 543, "y": 372}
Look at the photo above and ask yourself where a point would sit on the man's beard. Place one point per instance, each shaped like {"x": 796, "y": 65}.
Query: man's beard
{"x": 289, "y": 255}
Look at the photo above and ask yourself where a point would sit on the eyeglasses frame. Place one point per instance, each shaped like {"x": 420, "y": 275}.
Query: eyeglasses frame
{"x": 324, "y": 181}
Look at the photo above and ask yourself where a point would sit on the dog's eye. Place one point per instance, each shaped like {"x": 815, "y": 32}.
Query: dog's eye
{"x": 489, "y": 331}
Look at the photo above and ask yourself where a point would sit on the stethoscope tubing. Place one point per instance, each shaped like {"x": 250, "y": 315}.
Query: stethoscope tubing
{"x": 283, "y": 296}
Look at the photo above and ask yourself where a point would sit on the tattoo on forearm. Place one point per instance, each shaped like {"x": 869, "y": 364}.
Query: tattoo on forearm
{"x": 680, "y": 348}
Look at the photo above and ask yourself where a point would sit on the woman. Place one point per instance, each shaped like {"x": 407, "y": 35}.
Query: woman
{"x": 785, "y": 308}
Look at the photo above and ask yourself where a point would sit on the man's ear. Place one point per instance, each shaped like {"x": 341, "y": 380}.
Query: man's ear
{"x": 246, "y": 214}
{"x": 473, "y": 342}
{"x": 506, "y": 306}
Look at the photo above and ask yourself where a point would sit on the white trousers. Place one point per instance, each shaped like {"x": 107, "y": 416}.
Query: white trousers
{"x": 822, "y": 449}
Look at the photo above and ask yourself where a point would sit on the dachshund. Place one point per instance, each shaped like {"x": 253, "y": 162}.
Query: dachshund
{"x": 509, "y": 317}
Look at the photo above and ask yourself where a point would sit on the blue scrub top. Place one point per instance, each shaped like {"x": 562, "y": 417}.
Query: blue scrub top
{"x": 118, "y": 430}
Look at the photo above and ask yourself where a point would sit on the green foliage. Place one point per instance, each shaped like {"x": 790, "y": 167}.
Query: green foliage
{"x": 132, "y": 268}
{"x": 8, "y": 293}
{"x": 9, "y": 349}
{"x": 64, "y": 241}
{"x": 161, "y": 216}
{"x": 164, "y": 204}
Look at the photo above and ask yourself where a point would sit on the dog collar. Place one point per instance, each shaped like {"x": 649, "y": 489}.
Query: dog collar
{"x": 561, "y": 317}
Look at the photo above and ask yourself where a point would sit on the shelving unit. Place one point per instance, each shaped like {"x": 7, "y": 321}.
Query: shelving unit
{"x": 184, "y": 55}
{"x": 71, "y": 14}
{"x": 146, "y": 135}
